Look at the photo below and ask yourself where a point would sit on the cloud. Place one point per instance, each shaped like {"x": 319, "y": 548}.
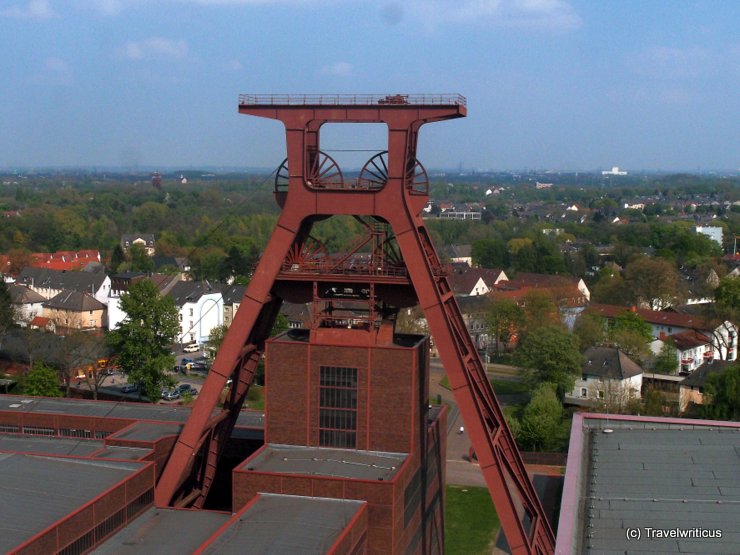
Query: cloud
{"x": 556, "y": 15}
{"x": 155, "y": 48}
{"x": 341, "y": 69}
{"x": 33, "y": 9}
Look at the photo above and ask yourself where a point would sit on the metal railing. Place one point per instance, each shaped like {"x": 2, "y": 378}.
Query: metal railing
{"x": 352, "y": 99}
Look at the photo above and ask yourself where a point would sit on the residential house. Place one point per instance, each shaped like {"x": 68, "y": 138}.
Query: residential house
{"x": 570, "y": 294}
{"x": 146, "y": 240}
{"x": 201, "y": 308}
{"x": 232, "y": 296}
{"x": 474, "y": 311}
{"x": 700, "y": 285}
{"x": 120, "y": 284}
{"x": 608, "y": 376}
{"x": 692, "y": 387}
{"x": 26, "y": 302}
{"x": 298, "y": 315}
{"x": 458, "y": 254}
{"x": 66, "y": 260}
{"x": 469, "y": 282}
{"x": 50, "y": 283}
{"x": 75, "y": 310}
{"x": 693, "y": 349}
{"x": 664, "y": 323}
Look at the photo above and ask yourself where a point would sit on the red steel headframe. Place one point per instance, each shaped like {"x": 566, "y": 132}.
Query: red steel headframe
{"x": 311, "y": 194}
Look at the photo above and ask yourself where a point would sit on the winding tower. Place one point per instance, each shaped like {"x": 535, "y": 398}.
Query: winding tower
{"x": 398, "y": 268}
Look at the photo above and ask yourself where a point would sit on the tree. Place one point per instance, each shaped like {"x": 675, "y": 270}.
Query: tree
{"x": 489, "y": 253}
{"x": 550, "y": 354}
{"x": 41, "y": 381}
{"x": 117, "y": 258}
{"x": 504, "y": 320}
{"x": 7, "y": 311}
{"x": 539, "y": 309}
{"x": 666, "y": 362}
{"x": 590, "y": 330}
{"x": 140, "y": 260}
{"x": 632, "y": 334}
{"x": 142, "y": 341}
{"x": 722, "y": 395}
{"x": 653, "y": 282}
{"x": 541, "y": 426}
{"x": 215, "y": 338}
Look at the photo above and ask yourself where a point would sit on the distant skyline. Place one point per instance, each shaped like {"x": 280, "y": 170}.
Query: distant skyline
{"x": 551, "y": 84}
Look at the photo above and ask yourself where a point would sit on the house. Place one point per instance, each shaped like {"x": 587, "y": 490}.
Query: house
{"x": 232, "y": 297}
{"x": 693, "y": 349}
{"x": 200, "y": 305}
{"x": 298, "y": 315}
{"x": 43, "y": 324}
{"x": 145, "y": 240}
{"x": 75, "y": 310}
{"x": 664, "y": 323}
{"x": 65, "y": 260}
{"x": 26, "y": 302}
{"x": 474, "y": 311}
{"x": 468, "y": 282}
{"x": 608, "y": 376}
{"x": 547, "y": 281}
{"x": 691, "y": 389}
{"x": 458, "y": 254}
{"x": 120, "y": 284}
{"x": 700, "y": 285}
{"x": 50, "y": 283}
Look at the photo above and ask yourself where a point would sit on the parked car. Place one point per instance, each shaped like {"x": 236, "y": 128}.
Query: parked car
{"x": 186, "y": 361}
{"x": 129, "y": 388}
{"x": 198, "y": 367}
{"x": 170, "y": 395}
{"x": 186, "y": 389}
{"x": 192, "y": 348}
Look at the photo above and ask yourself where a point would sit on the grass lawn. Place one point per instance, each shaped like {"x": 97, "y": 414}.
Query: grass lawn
{"x": 509, "y": 387}
{"x": 471, "y": 522}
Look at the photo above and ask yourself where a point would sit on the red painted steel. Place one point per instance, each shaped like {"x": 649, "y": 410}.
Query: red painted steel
{"x": 395, "y": 199}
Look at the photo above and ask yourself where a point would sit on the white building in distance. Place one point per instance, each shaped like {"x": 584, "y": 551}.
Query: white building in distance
{"x": 614, "y": 171}
{"x": 714, "y": 233}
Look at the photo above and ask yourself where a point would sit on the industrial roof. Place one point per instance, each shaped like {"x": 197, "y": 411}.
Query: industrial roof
{"x": 43, "y": 489}
{"x": 681, "y": 477}
{"x": 324, "y": 461}
{"x": 49, "y": 445}
{"x": 109, "y": 409}
{"x": 164, "y": 531}
{"x": 149, "y": 431}
{"x": 286, "y": 524}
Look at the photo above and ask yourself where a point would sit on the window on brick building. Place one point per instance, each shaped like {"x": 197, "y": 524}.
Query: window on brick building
{"x": 338, "y": 407}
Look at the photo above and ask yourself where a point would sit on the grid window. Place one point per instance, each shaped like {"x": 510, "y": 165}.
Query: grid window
{"x": 338, "y": 407}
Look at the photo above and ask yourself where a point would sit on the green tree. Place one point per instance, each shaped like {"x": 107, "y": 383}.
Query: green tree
{"x": 653, "y": 281}
{"x": 117, "y": 258}
{"x": 727, "y": 297}
{"x": 722, "y": 395}
{"x": 215, "y": 338}
{"x": 489, "y": 253}
{"x": 504, "y": 319}
{"x": 550, "y": 354}
{"x": 666, "y": 362}
{"x": 140, "y": 260}
{"x": 632, "y": 334}
{"x": 41, "y": 381}
{"x": 142, "y": 341}
{"x": 590, "y": 330}
{"x": 541, "y": 426}
{"x": 7, "y": 311}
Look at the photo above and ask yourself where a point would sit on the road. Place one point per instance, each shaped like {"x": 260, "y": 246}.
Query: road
{"x": 460, "y": 471}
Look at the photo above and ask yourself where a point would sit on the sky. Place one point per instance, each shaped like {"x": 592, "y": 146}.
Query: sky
{"x": 551, "y": 84}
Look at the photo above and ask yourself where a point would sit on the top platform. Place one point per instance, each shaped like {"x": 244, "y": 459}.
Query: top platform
{"x": 352, "y": 100}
